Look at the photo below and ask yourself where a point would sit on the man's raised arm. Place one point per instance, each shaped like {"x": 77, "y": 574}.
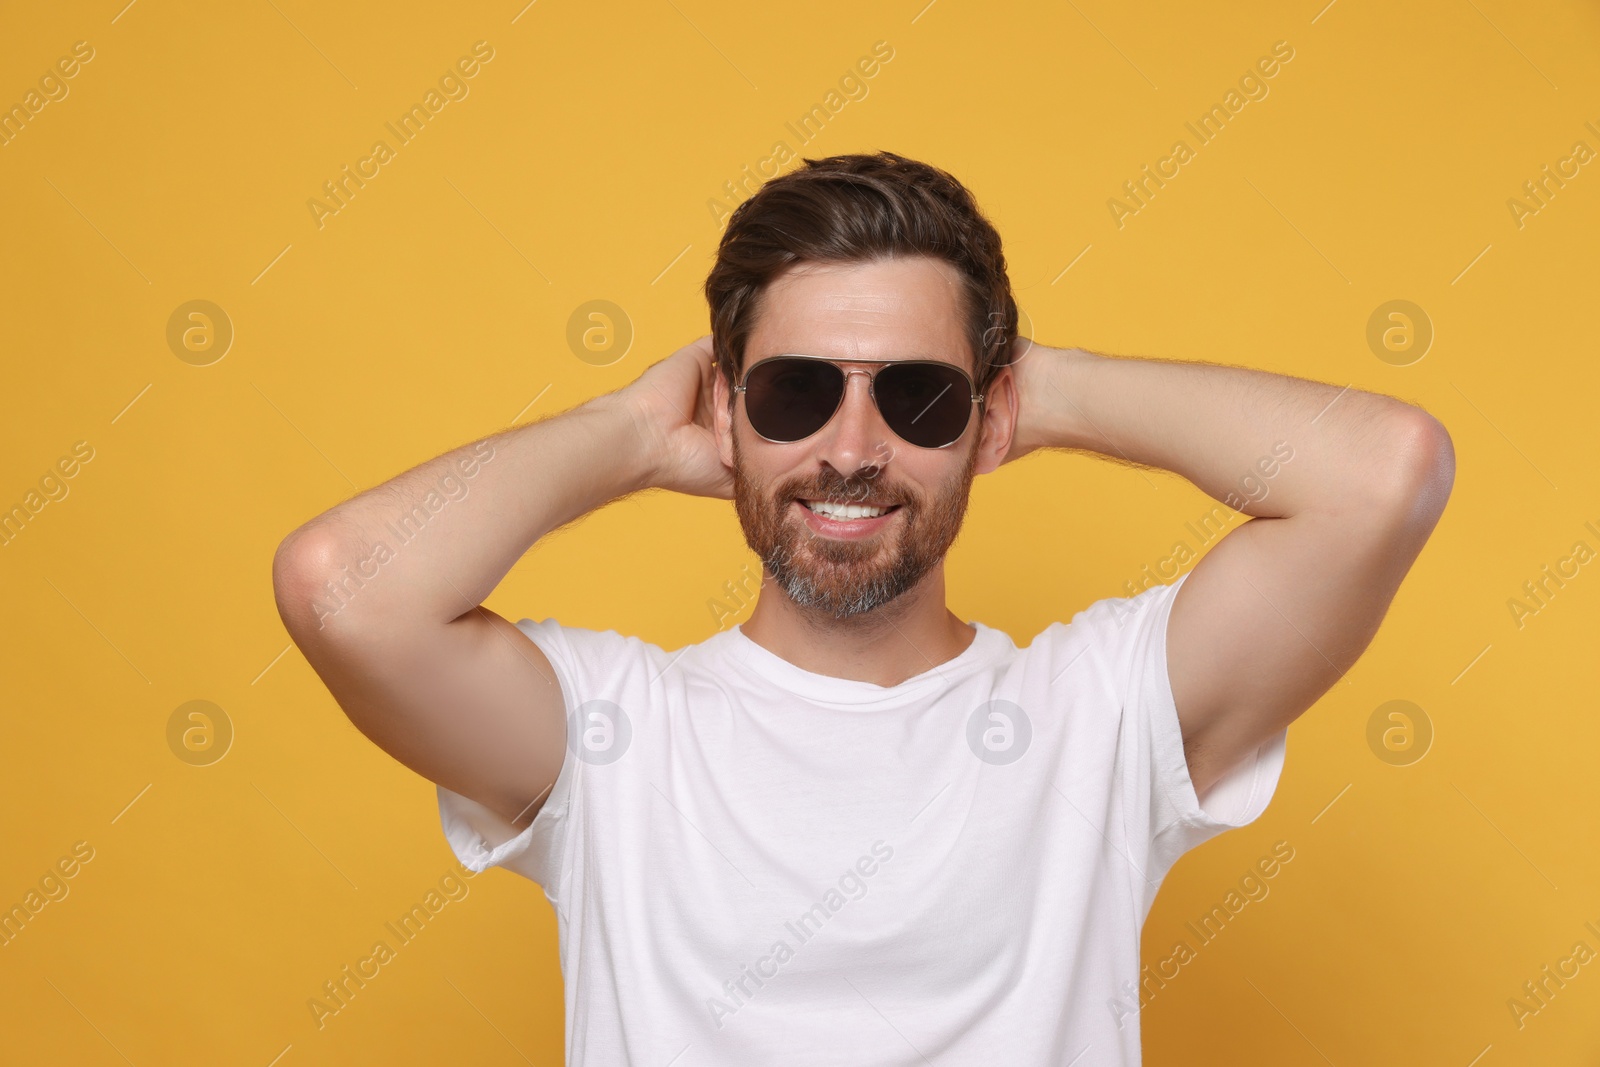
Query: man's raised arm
{"x": 383, "y": 592}
{"x": 1345, "y": 487}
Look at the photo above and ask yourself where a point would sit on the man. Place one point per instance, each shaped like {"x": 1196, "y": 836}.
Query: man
{"x": 856, "y": 829}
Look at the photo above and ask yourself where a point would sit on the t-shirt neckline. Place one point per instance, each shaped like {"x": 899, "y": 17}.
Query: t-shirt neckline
{"x": 770, "y": 666}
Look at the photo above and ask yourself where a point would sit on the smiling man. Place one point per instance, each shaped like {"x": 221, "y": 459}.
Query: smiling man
{"x": 857, "y": 829}
{"x": 853, "y": 522}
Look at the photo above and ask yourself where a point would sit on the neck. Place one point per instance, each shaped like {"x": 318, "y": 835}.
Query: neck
{"x": 906, "y": 637}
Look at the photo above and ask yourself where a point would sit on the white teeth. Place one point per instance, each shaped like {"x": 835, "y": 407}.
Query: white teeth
{"x": 843, "y": 511}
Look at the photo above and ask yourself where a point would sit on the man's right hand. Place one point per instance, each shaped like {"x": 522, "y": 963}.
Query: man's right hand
{"x": 672, "y": 404}
{"x": 406, "y": 647}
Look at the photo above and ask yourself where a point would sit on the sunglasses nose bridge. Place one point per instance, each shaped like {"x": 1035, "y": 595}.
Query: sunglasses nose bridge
{"x": 855, "y": 436}
{"x": 871, "y": 397}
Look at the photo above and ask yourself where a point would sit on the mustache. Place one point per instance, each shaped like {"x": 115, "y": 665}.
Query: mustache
{"x": 849, "y": 492}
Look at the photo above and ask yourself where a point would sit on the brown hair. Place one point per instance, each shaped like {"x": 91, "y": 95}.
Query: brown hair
{"x": 852, "y": 208}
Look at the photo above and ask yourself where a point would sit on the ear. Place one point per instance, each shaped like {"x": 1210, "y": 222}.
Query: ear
{"x": 1000, "y": 404}
{"x": 722, "y": 418}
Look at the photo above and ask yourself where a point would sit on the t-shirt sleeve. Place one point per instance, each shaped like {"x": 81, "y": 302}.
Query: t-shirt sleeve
{"x": 1160, "y": 800}
{"x": 482, "y": 838}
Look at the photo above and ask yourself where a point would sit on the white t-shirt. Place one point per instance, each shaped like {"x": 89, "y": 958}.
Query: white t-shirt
{"x": 757, "y": 866}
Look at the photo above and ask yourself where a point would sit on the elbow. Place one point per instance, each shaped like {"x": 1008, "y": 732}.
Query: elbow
{"x": 1424, "y": 468}
{"x": 300, "y": 569}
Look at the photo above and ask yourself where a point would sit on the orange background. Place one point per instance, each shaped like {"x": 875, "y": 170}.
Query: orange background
{"x": 433, "y": 308}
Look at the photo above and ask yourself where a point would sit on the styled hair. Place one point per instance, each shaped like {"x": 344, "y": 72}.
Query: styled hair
{"x": 858, "y": 208}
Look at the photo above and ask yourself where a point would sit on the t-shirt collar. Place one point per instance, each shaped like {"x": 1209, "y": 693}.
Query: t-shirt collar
{"x": 757, "y": 660}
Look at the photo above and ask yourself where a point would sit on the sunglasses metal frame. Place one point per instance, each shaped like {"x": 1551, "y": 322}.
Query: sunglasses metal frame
{"x": 976, "y": 397}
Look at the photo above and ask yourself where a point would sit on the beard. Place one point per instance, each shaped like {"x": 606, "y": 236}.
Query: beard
{"x": 844, "y": 578}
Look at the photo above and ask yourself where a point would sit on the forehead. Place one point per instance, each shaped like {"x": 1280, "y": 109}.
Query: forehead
{"x": 903, "y": 308}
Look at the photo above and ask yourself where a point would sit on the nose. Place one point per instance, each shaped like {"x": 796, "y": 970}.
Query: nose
{"x": 856, "y": 437}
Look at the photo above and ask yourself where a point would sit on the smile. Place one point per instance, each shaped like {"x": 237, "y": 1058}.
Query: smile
{"x": 845, "y": 522}
{"x": 845, "y": 512}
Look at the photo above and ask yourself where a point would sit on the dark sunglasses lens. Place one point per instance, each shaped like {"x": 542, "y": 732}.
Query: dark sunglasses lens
{"x": 791, "y": 399}
{"x": 926, "y": 403}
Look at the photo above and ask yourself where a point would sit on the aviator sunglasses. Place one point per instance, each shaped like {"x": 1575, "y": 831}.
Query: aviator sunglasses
{"x": 926, "y": 402}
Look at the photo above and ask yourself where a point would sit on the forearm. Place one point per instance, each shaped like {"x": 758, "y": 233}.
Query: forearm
{"x": 431, "y": 544}
{"x": 1264, "y": 444}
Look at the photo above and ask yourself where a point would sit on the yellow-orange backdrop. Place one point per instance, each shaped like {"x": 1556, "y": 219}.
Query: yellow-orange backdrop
{"x": 583, "y": 159}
